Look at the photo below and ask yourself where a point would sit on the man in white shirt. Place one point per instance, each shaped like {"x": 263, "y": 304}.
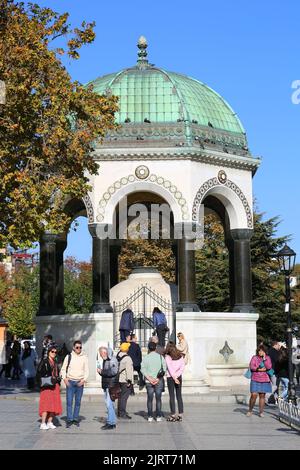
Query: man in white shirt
{"x": 75, "y": 372}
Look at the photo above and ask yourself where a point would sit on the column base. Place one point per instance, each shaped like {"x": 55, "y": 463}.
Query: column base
{"x": 45, "y": 312}
{"x": 244, "y": 308}
{"x": 101, "y": 308}
{"x": 187, "y": 307}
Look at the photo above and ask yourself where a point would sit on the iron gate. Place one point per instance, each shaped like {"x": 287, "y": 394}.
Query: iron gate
{"x": 142, "y": 303}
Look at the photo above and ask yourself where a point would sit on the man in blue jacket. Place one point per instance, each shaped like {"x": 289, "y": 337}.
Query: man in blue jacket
{"x": 126, "y": 326}
{"x": 160, "y": 325}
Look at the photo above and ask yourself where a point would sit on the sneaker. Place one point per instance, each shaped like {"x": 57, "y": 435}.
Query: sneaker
{"x": 107, "y": 427}
{"x": 51, "y": 426}
{"x": 44, "y": 426}
{"x": 125, "y": 416}
{"x": 68, "y": 424}
{"x": 159, "y": 419}
{"x": 76, "y": 423}
{"x": 150, "y": 419}
{"x": 249, "y": 413}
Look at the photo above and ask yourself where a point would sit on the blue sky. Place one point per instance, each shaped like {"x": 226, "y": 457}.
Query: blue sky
{"x": 249, "y": 52}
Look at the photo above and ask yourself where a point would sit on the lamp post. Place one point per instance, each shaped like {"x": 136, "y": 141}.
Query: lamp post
{"x": 286, "y": 258}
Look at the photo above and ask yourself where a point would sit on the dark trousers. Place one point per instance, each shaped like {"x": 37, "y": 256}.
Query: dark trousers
{"x": 123, "y": 334}
{"x": 141, "y": 377}
{"x": 122, "y": 402}
{"x": 30, "y": 383}
{"x": 161, "y": 333}
{"x": 173, "y": 387}
{"x": 16, "y": 368}
{"x": 157, "y": 391}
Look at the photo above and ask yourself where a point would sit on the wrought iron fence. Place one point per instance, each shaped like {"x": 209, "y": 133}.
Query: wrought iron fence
{"x": 289, "y": 413}
{"x": 142, "y": 302}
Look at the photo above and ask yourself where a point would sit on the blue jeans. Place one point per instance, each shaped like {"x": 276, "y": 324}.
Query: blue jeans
{"x": 73, "y": 389}
{"x": 111, "y": 414}
{"x": 157, "y": 391}
{"x": 285, "y": 382}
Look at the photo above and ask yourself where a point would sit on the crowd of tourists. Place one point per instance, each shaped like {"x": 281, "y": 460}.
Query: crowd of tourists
{"x": 164, "y": 364}
{"x": 269, "y": 374}
{"x": 117, "y": 380}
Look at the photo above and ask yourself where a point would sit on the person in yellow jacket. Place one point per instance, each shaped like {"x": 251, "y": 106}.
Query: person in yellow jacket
{"x": 75, "y": 372}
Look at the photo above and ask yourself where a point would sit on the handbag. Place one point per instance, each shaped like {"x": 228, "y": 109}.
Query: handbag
{"x": 248, "y": 374}
{"x": 161, "y": 372}
{"x": 48, "y": 382}
{"x": 114, "y": 392}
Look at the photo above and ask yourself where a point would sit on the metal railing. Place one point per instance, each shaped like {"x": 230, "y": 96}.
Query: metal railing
{"x": 141, "y": 302}
{"x": 289, "y": 413}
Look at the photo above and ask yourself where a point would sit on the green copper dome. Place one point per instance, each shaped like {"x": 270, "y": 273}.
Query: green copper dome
{"x": 149, "y": 93}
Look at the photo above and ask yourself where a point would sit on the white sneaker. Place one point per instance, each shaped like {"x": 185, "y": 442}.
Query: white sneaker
{"x": 51, "y": 426}
{"x": 44, "y": 426}
{"x": 159, "y": 419}
{"x": 150, "y": 419}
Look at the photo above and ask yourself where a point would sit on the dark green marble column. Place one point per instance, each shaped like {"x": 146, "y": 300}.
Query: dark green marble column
{"x": 186, "y": 276}
{"x": 61, "y": 245}
{"x": 47, "y": 275}
{"x": 101, "y": 270}
{"x": 114, "y": 264}
{"x": 240, "y": 270}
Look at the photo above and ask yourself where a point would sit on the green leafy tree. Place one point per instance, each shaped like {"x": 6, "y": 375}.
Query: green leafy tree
{"x": 140, "y": 252}
{"x": 20, "y": 312}
{"x": 212, "y": 280}
{"x": 48, "y": 123}
{"x": 78, "y": 286}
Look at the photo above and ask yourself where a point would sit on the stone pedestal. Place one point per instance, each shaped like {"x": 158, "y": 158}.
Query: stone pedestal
{"x": 206, "y": 333}
{"x": 93, "y": 329}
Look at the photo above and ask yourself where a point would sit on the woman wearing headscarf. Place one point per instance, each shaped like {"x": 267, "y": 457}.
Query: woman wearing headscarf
{"x": 183, "y": 347}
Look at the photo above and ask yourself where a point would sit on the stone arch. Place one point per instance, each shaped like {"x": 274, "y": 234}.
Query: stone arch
{"x": 89, "y": 208}
{"x": 153, "y": 184}
{"x": 231, "y": 196}
{"x": 79, "y": 206}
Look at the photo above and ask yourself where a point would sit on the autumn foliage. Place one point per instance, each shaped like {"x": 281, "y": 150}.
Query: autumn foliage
{"x": 48, "y": 124}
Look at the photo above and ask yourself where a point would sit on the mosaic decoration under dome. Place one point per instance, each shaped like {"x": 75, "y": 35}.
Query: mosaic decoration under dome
{"x": 213, "y": 182}
{"x": 159, "y": 180}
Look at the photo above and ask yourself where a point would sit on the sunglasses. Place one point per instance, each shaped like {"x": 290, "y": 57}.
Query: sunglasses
{"x": 78, "y": 347}
{"x": 53, "y": 352}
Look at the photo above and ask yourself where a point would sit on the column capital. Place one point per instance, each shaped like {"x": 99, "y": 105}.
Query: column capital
{"x": 101, "y": 231}
{"x": 241, "y": 234}
{"x": 188, "y": 230}
{"x": 49, "y": 238}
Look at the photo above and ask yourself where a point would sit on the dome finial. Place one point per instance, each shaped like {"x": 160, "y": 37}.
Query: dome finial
{"x": 142, "y": 44}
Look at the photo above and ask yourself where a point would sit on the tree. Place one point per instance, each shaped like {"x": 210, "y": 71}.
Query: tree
{"x": 212, "y": 277}
{"x": 48, "y": 124}
{"x": 212, "y": 280}
{"x": 21, "y": 300}
{"x": 78, "y": 286}
{"x": 141, "y": 252}
{"x": 20, "y": 312}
